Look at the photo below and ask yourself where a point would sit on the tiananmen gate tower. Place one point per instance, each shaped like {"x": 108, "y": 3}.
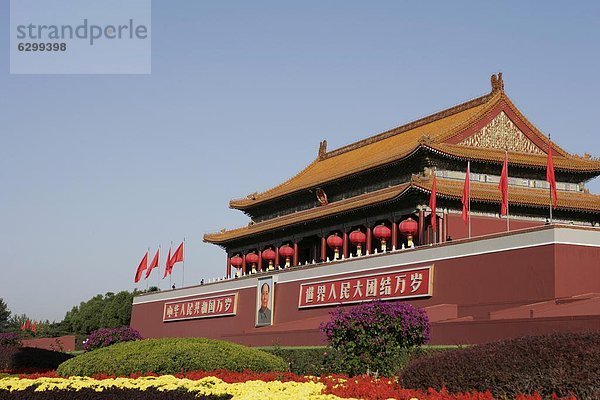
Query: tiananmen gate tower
{"x": 356, "y": 225}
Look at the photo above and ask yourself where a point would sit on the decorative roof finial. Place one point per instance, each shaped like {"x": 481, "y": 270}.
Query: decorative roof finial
{"x": 497, "y": 82}
{"x": 322, "y": 149}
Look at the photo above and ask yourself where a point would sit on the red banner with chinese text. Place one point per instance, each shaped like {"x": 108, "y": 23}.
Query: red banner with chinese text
{"x": 404, "y": 284}
{"x": 202, "y": 307}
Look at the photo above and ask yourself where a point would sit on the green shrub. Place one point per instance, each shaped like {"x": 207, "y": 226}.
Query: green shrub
{"x": 308, "y": 360}
{"x": 318, "y": 360}
{"x": 374, "y": 337}
{"x": 13, "y": 358}
{"x": 170, "y": 356}
{"x": 565, "y": 363}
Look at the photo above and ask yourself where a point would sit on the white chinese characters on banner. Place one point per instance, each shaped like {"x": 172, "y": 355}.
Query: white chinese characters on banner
{"x": 204, "y": 307}
{"x": 408, "y": 283}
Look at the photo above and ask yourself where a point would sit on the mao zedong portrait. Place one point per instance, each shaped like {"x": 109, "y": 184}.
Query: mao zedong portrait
{"x": 264, "y": 312}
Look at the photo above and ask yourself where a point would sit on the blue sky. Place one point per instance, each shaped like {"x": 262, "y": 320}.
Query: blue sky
{"x": 94, "y": 169}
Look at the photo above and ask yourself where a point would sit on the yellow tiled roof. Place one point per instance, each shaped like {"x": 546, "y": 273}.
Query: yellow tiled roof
{"x": 449, "y": 188}
{"x": 352, "y": 203}
{"x": 400, "y": 142}
{"x": 525, "y": 196}
{"x": 568, "y": 163}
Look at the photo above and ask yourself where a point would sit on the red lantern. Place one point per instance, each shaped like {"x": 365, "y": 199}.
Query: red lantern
{"x": 409, "y": 227}
{"x": 382, "y": 233}
{"x": 236, "y": 262}
{"x": 357, "y": 238}
{"x": 287, "y": 252}
{"x": 252, "y": 259}
{"x": 335, "y": 242}
{"x": 270, "y": 256}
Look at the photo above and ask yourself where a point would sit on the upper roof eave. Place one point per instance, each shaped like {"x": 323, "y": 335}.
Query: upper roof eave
{"x": 446, "y": 188}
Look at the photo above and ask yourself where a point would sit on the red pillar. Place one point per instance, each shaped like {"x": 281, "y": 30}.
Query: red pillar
{"x": 323, "y": 248}
{"x": 259, "y": 261}
{"x": 394, "y": 243}
{"x": 369, "y": 248}
{"x": 421, "y": 225}
{"x": 276, "y": 257}
{"x": 345, "y": 245}
{"x": 244, "y": 264}
{"x": 445, "y": 225}
{"x": 295, "y": 261}
{"x": 228, "y": 271}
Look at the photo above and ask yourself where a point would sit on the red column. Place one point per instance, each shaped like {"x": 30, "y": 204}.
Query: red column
{"x": 244, "y": 264}
{"x": 394, "y": 243}
{"x": 228, "y": 271}
{"x": 276, "y": 257}
{"x": 421, "y": 225}
{"x": 345, "y": 245}
{"x": 295, "y": 261}
{"x": 369, "y": 249}
{"x": 323, "y": 248}
{"x": 445, "y": 225}
{"x": 259, "y": 261}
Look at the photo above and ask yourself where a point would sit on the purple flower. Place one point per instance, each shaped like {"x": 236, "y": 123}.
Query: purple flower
{"x": 104, "y": 337}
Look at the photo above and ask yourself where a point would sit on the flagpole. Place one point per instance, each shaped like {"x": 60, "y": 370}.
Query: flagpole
{"x": 147, "y": 271}
{"x": 158, "y": 273}
{"x": 183, "y": 265}
{"x": 507, "y": 202}
{"x": 549, "y": 183}
{"x": 469, "y": 195}
{"x": 171, "y": 272}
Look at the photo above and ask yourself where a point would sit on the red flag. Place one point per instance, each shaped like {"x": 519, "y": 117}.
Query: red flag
{"x": 503, "y": 186}
{"x": 466, "y": 195}
{"x": 178, "y": 255}
{"x": 550, "y": 174}
{"x": 168, "y": 266}
{"x": 143, "y": 265}
{"x": 433, "y": 203}
{"x": 153, "y": 264}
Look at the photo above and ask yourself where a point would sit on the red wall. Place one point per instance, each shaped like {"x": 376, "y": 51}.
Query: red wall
{"x": 477, "y": 284}
{"x": 63, "y": 343}
{"x": 484, "y": 225}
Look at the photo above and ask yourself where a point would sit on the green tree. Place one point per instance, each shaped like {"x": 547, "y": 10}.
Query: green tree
{"x": 101, "y": 311}
{"x": 15, "y": 322}
{"x": 4, "y": 316}
{"x": 117, "y": 311}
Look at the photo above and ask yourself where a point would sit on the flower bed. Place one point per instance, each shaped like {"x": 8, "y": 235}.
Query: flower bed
{"x": 223, "y": 385}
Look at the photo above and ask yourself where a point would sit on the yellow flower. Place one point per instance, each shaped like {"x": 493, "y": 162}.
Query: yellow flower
{"x": 249, "y": 390}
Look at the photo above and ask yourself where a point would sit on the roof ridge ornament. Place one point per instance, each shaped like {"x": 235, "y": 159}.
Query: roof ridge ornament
{"x": 322, "y": 149}
{"x": 425, "y": 139}
{"x": 497, "y": 83}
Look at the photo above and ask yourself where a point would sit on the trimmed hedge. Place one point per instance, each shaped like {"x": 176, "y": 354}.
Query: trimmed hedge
{"x": 562, "y": 363}
{"x": 322, "y": 360}
{"x": 109, "y": 394}
{"x": 14, "y": 358}
{"x": 308, "y": 360}
{"x": 171, "y": 356}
